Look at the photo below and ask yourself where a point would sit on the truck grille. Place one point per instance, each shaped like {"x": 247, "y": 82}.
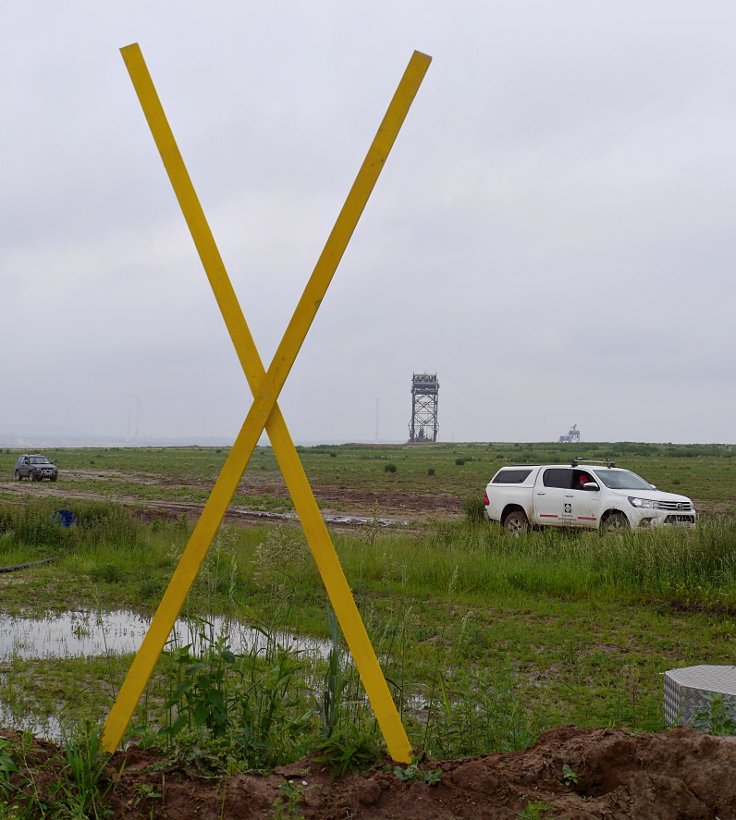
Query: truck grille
{"x": 675, "y": 505}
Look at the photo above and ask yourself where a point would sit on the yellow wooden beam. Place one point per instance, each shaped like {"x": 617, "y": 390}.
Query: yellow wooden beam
{"x": 265, "y": 388}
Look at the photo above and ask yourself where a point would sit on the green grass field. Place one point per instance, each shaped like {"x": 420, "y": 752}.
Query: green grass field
{"x": 486, "y": 639}
{"x": 457, "y": 471}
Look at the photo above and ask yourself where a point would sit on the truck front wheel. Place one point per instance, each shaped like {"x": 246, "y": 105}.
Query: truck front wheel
{"x": 614, "y": 522}
{"x": 516, "y": 522}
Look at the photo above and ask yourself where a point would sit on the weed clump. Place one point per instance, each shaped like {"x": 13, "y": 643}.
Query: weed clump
{"x": 716, "y": 717}
{"x": 149, "y": 590}
{"x": 68, "y": 784}
{"x": 474, "y": 508}
{"x": 109, "y": 573}
{"x": 233, "y": 707}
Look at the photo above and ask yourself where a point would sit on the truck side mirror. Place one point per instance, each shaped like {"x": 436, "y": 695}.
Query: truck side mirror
{"x": 590, "y": 485}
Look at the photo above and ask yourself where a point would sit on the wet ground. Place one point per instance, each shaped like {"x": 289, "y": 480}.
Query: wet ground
{"x": 81, "y": 634}
{"x": 341, "y": 506}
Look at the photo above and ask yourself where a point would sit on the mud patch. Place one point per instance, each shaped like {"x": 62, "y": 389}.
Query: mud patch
{"x": 341, "y": 506}
{"x": 679, "y": 774}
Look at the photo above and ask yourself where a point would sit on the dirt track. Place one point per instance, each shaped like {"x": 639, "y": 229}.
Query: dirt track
{"x": 335, "y": 501}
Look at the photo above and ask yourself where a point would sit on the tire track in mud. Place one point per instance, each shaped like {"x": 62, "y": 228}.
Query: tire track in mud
{"x": 354, "y": 508}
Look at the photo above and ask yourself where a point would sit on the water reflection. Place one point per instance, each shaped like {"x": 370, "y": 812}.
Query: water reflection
{"x": 87, "y": 634}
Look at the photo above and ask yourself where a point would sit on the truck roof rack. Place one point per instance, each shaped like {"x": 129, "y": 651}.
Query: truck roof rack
{"x": 577, "y": 461}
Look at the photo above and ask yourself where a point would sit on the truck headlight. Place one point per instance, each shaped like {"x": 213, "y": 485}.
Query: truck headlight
{"x": 643, "y": 503}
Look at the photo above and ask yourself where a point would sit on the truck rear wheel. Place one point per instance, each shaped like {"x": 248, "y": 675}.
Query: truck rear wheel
{"x": 516, "y": 522}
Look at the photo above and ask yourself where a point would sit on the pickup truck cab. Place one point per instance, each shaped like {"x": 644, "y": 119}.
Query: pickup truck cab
{"x": 586, "y": 495}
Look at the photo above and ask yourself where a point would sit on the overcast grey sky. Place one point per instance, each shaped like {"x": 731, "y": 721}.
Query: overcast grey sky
{"x": 554, "y": 233}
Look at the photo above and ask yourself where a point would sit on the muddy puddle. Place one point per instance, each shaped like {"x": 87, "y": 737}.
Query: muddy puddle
{"x": 329, "y": 518}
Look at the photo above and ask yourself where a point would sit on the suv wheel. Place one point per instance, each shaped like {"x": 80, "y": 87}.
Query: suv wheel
{"x": 17, "y": 475}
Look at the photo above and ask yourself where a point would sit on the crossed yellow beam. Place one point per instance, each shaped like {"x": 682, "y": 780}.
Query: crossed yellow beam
{"x": 265, "y": 412}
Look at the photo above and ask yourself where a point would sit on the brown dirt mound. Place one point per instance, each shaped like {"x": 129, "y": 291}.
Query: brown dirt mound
{"x": 681, "y": 774}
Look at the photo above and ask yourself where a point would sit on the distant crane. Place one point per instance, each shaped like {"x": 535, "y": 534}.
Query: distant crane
{"x": 572, "y": 437}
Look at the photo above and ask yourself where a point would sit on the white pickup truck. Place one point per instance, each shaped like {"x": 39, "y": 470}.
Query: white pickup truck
{"x": 595, "y": 496}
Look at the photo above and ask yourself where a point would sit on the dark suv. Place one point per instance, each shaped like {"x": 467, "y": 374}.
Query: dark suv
{"x": 35, "y": 468}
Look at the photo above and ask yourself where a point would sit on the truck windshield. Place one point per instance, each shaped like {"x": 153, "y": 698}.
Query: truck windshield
{"x": 623, "y": 480}
{"x": 39, "y": 460}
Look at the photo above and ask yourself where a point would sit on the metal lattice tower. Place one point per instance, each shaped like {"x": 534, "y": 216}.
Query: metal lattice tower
{"x": 424, "y": 396}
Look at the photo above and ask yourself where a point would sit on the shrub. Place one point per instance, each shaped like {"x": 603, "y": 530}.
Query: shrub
{"x": 459, "y": 461}
{"x": 390, "y": 467}
{"x": 430, "y": 471}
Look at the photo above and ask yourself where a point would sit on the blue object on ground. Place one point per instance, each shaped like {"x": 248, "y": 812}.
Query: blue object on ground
{"x": 65, "y": 517}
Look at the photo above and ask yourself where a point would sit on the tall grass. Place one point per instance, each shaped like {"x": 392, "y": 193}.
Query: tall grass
{"x": 111, "y": 546}
{"x": 35, "y": 525}
{"x": 688, "y": 564}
